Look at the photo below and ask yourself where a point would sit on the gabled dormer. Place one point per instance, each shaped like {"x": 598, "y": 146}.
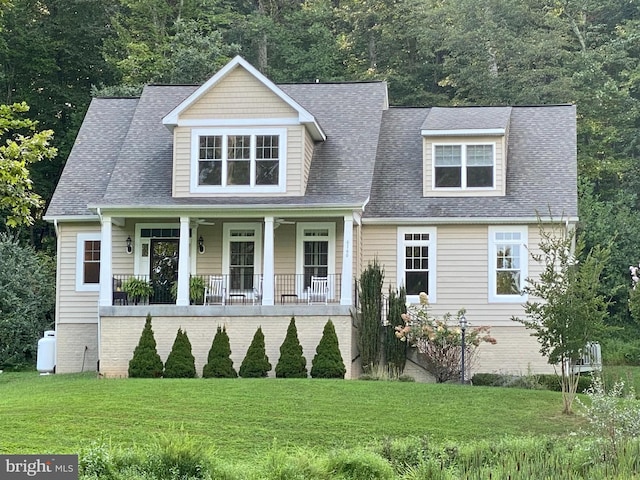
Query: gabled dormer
{"x": 465, "y": 151}
{"x": 239, "y": 134}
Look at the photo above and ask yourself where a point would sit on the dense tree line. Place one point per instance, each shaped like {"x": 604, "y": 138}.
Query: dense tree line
{"x": 56, "y": 53}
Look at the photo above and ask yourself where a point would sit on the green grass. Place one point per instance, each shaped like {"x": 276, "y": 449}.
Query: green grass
{"x": 243, "y": 418}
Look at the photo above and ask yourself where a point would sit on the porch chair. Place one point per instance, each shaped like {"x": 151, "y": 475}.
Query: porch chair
{"x": 214, "y": 292}
{"x": 257, "y": 293}
{"x": 318, "y": 290}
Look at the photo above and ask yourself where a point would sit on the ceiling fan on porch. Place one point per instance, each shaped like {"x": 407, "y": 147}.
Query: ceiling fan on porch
{"x": 281, "y": 221}
{"x": 204, "y": 221}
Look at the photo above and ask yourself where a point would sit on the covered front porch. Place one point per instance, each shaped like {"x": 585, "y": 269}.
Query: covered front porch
{"x": 228, "y": 261}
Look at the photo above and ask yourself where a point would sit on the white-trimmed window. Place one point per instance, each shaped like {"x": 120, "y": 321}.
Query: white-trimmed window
{"x": 238, "y": 160}
{"x": 462, "y": 166}
{"x": 316, "y": 253}
{"x": 508, "y": 262}
{"x": 417, "y": 261}
{"x": 88, "y": 262}
{"x": 241, "y": 255}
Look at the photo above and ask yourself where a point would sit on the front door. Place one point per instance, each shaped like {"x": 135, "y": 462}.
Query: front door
{"x": 164, "y": 269}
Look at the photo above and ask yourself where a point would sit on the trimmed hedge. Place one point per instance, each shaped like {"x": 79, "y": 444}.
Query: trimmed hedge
{"x": 219, "y": 363}
{"x": 533, "y": 382}
{"x": 180, "y": 362}
{"x": 146, "y": 363}
{"x": 256, "y": 363}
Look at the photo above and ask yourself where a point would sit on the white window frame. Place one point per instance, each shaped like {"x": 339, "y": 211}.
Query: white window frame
{"x": 196, "y": 133}
{"x": 80, "y": 239}
{"x": 226, "y": 250}
{"x": 492, "y": 267}
{"x": 400, "y": 262}
{"x": 463, "y": 166}
{"x": 331, "y": 253}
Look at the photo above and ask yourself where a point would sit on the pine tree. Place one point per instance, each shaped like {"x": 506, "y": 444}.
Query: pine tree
{"x": 256, "y": 363}
{"x": 327, "y": 362}
{"x": 219, "y": 363}
{"x": 180, "y": 362}
{"x": 146, "y": 363}
{"x": 291, "y": 363}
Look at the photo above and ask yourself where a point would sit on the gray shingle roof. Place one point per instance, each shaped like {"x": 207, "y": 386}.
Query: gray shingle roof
{"x": 93, "y": 157}
{"x": 466, "y": 118}
{"x": 541, "y": 169}
{"x": 123, "y": 156}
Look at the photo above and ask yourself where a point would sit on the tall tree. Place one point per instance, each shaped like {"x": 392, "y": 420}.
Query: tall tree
{"x": 24, "y": 146}
{"x": 567, "y": 308}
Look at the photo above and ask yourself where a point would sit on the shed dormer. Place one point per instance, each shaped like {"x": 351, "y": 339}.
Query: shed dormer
{"x": 465, "y": 151}
{"x": 240, "y": 134}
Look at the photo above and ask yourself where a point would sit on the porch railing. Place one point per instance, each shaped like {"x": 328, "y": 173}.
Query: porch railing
{"x": 239, "y": 289}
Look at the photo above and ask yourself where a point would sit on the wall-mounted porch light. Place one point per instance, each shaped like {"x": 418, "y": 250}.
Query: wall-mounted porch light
{"x": 200, "y": 244}
{"x": 129, "y": 247}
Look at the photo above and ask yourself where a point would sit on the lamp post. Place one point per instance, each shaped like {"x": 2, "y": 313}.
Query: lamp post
{"x": 463, "y": 329}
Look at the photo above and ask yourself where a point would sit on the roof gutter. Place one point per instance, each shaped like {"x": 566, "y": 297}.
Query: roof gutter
{"x": 460, "y": 220}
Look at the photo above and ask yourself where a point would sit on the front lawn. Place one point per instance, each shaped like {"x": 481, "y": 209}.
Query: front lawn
{"x": 242, "y": 418}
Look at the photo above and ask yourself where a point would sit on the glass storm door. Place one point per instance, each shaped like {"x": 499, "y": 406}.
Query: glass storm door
{"x": 164, "y": 269}
{"x": 241, "y": 264}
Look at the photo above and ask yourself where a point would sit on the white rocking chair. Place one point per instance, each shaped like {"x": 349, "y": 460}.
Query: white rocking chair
{"x": 214, "y": 292}
{"x": 318, "y": 290}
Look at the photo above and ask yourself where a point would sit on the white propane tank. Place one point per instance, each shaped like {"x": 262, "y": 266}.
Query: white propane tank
{"x": 47, "y": 352}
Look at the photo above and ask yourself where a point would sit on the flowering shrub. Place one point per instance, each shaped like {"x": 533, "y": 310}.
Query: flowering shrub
{"x": 439, "y": 341}
{"x": 613, "y": 416}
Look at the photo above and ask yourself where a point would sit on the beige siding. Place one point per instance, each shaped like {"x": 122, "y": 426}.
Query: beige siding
{"x": 295, "y": 160}
{"x": 285, "y": 249}
{"x": 308, "y": 156}
{"x": 239, "y": 95}
{"x": 296, "y": 168}
{"x": 181, "y": 161}
{"x": 121, "y": 261}
{"x": 379, "y": 242}
{"x": 120, "y": 335}
{"x": 500, "y": 173}
{"x": 211, "y": 261}
{"x": 73, "y": 306}
{"x": 76, "y": 347}
{"x": 462, "y": 282}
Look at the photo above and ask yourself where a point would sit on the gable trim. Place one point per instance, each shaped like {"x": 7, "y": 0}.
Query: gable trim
{"x": 304, "y": 117}
{"x": 237, "y": 122}
{"x": 470, "y": 132}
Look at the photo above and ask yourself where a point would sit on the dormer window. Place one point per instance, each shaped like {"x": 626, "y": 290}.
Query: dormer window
{"x": 463, "y": 166}
{"x": 238, "y": 160}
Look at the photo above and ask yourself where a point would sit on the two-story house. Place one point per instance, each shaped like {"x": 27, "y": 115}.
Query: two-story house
{"x": 277, "y": 197}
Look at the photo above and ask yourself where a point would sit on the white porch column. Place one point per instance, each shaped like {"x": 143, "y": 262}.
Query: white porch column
{"x": 268, "y": 269}
{"x": 346, "y": 292}
{"x": 183, "y": 263}
{"x": 106, "y": 281}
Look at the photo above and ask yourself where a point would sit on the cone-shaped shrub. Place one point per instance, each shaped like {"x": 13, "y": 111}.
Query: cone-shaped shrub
{"x": 291, "y": 363}
{"x": 219, "y": 363}
{"x": 146, "y": 363}
{"x": 256, "y": 363}
{"x": 328, "y": 361}
{"x": 180, "y": 362}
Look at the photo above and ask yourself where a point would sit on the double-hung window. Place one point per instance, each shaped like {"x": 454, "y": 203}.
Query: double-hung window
{"x": 88, "y": 262}
{"x": 241, "y": 256}
{"x": 463, "y": 166}
{"x": 238, "y": 160}
{"x": 508, "y": 262}
{"x": 416, "y": 261}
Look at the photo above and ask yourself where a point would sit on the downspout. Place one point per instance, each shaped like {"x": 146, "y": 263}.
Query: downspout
{"x": 99, "y": 323}
{"x": 57, "y": 307}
